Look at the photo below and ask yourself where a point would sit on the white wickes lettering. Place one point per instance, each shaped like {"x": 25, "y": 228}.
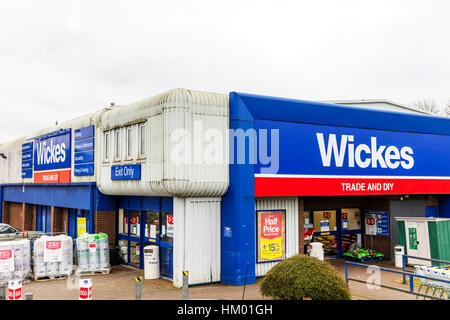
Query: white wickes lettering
{"x": 331, "y": 148}
{"x": 49, "y": 154}
{"x": 362, "y": 155}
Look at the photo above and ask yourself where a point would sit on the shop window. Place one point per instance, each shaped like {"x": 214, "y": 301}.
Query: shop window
{"x": 351, "y": 222}
{"x": 152, "y": 225}
{"x": 123, "y": 222}
{"x": 351, "y": 219}
{"x": 308, "y": 224}
{"x": 325, "y": 221}
{"x": 167, "y": 227}
{"x": 142, "y": 140}
{"x": 324, "y": 224}
{"x": 106, "y": 143}
{"x": 134, "y": 222}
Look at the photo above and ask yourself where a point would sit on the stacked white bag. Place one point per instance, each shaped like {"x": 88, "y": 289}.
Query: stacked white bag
{"x": 58, "y": 262}
{"x": 93, "y": 252}
{"x": 14, "y": 260}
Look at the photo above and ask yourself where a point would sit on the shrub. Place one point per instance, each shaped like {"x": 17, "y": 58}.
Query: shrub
{"x": 303, "y": 276}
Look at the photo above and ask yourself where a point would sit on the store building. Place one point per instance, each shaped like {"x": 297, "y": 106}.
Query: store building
{"x": 226, "y": 185}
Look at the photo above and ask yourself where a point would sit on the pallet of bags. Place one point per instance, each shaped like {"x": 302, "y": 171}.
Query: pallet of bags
{"x": 93, "y": 254}
{"x": 15, "y": 260}
{"x": 53, "y": 257}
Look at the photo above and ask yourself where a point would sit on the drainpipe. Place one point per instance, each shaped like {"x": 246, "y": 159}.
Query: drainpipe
{"x": 1, "y": 203}
{"x": 91, "y": 209}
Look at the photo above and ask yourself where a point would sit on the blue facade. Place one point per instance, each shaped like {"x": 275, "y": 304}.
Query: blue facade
{"x": 238, "y": 209}
{"x": 298, "y": 120}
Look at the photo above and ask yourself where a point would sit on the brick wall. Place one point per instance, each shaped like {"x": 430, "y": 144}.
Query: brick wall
{"x": 5, "y": 212}
{"x": 105, "y": 221}
{"x": 16, "y": 215}
{"x": 33, "y": 223}
{"x": 59, "y": 220}
{"x": 28, "y": 221}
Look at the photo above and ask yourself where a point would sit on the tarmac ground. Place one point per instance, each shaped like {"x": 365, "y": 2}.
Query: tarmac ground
{"x": 120, "y": 285}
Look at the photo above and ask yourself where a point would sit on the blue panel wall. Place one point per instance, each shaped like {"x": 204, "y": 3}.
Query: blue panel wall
{"x": 151, "y": 203}
{"x": 444, "y": 206}
{"x": 1, "y": 202}
{"x": 164, "y": 204}
{"x": 70, "y": 196}
{"x": 290, "y": 110}
{"x": 104, "y": 202}
{"x": 238, "y": 210}
{"x": 431, "y": 212}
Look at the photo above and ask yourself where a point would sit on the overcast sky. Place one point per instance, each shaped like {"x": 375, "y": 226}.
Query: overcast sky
{"x": 62, "y": 59}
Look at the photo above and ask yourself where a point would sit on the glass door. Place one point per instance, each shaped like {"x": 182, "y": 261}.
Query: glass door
{"x": 166, "y": 245}
{"x": 151, "y": 230}
{"x": 140, "y": 228}
{"x": 129, "y": 232}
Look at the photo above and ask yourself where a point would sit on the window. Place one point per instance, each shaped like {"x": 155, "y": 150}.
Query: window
{"x": 117, "y": 144}
{"x": 142, "y": 140}
{"x": 106, "y": 146}
{"x": 129, "y": 142}
{"x": 7, "y": 229}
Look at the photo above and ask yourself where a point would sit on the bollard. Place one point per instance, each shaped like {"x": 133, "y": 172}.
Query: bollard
{"x": 3, "y": 290}
{"x": 138, "y": 288}
{"x": 15, "y": 290}
{"x": 29, "y": 296}
{"x": 185, "y": 285}
{"x": 85, "y": 289}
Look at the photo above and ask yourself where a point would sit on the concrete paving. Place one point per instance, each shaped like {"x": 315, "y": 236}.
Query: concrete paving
{"x": 120, "y": 284}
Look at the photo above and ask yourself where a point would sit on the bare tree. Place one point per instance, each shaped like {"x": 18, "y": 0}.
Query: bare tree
{"x": 446, "y": 112}
{"x": 427, "y": 105}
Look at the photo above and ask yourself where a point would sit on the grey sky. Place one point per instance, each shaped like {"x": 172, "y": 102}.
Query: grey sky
{"x": 61, "y": 59}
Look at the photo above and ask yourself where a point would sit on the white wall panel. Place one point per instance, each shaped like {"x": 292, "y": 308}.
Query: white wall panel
{"x": 290, "y": 204}
{"x": 202, "y": 239}
{"x": 162, "y": 173}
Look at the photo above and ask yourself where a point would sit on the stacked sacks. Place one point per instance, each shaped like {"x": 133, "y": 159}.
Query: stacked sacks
{"x": 22, "y": 259}
{"x": 93, "y": 252}
{"x": 83, "y": 252}
{"x": 14, "y": 260}
{"x": 103, "y": 246}
{"x": 38, "y": 257}
{"x": 53, "y": 256}
{"x": 66, "y": 264}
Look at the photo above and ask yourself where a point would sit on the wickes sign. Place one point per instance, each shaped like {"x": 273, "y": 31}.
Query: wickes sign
{"x": 363, "y": 155}
{"x": 52, "y": 152}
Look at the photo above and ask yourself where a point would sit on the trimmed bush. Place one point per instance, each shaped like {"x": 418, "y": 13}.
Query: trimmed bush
{"x": 301, "y": 277}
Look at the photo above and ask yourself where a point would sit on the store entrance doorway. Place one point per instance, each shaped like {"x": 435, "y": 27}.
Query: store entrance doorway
{"x": 140, "y": 228}
{"x": 337, "y": 229}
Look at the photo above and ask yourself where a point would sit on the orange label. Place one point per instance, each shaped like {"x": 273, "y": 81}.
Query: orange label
{"x": 61, "y": 176}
